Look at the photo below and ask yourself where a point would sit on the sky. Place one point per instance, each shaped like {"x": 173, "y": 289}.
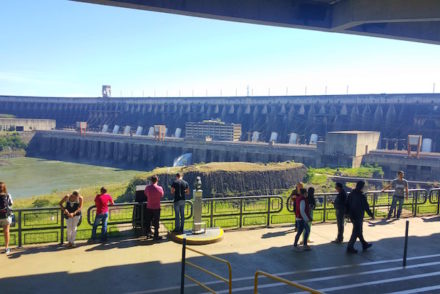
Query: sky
{"x": 64, "y": 48}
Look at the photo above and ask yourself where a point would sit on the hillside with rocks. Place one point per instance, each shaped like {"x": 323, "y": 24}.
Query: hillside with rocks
{"x": 228, "y": 179}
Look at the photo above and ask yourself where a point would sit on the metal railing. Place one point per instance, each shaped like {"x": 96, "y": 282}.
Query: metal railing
{"x": 184, "y": 275}
{"x": 281, "y": 280}
{"x": 379, "y": 202}
{"x": 239, "y": 212}
{"x": 134, "y": 212}
{"x": 434, "y": 198}
{"x": 47, "y": 225}
{"x": 37, "y": 225}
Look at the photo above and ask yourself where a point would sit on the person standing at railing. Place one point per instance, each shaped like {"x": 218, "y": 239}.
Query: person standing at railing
{"x": 312, "y": 205}
{"x": 400, "y": 187}
{"x": 154, "y": 193}
{"x": 303, "y": 219}
{"x": 5, "y": 214}
{"x": 340, "y": 205}
{"x": 357, "y": 205}
{"x": 102, "y": 201}
{"x": 72, "y": 213}
{"x": 295, "y": 193}
{"x": 180, "y": 189}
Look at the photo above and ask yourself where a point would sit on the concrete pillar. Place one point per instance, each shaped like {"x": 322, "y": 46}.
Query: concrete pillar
{"x": 115, "y": 151}
{"x": 136, "y": 152}
{"x": 82, "y": 148}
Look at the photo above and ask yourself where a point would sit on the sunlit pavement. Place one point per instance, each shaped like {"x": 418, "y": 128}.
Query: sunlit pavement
{"x": 139, "y": 266}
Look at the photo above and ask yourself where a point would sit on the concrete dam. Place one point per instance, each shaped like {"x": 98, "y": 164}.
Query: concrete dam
{"x": 393, "y": 115}
{"x": 143, "y": 152}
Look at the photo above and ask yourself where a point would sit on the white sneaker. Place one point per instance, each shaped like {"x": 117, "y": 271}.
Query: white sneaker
{"x": 8, "y": 251}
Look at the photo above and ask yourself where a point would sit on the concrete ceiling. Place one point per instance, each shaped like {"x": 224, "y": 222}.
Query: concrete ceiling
{"x": 412, "y": 20}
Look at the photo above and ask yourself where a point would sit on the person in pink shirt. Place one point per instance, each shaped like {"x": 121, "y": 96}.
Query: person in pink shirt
{"x": 154, "y": 194}
{"x": 102, "y": 201}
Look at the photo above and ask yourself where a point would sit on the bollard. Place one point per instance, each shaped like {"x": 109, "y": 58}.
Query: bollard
{"x": 182, "y": 276}
{"x": 405, "y": 249}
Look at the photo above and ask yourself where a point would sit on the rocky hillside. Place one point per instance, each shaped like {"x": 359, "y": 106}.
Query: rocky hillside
{"x": 227, "y": 179}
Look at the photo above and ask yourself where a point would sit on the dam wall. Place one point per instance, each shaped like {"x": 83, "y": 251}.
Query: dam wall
{"x": 393, "y": 115}
{"x": 144, "y": 152}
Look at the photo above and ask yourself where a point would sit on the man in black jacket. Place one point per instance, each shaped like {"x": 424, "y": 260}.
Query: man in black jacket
{"x": 357, "y": 205}
{"x": 339, "y": 204}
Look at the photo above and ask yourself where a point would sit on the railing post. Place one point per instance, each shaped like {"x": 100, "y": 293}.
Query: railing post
{"x": 62, "y": 229}
{"x": 405, "y": 249}
{"x": 416, "y": 193}
{"x": 182, "y": 274}
{"x": 325, "y": 209}
{"x": 268, "y": 211}
{"x": 374, "y": 204}
{"x": 19, "y": 229}
{"x": 142, "y": 219}
{"x": 241, "y": 213}
{"x": 438, "y": 202}
{"x": 211, "y": 218}
{"x": 256, "y": 283}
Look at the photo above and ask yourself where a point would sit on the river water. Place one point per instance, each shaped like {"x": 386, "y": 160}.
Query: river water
{"x": 27, "y": 177}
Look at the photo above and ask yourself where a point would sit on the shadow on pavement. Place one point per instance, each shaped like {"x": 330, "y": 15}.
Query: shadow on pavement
{"x": 277, "y": 234}
{"x": 142, "y": 276}
{"x": 121, "y": 244}
{"x": 431, "y": 219}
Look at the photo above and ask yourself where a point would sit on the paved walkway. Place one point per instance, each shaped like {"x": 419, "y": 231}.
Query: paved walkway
{"x": 134, "y": 266}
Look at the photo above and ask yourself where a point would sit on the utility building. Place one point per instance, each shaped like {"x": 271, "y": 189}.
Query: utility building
{"x": 214, "y": 129}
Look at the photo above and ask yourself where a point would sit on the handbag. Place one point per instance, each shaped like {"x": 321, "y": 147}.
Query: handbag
{"x": 13, "y": 219}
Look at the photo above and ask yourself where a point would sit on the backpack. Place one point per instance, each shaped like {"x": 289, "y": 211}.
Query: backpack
{"x": 5, "y": 210}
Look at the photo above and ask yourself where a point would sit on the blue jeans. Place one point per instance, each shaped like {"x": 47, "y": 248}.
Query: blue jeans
{"x": 100, "y": 218}
{"x": 302, "y": 226}
{"x": 179, "y": 210}
{"x": 394, "y": 204}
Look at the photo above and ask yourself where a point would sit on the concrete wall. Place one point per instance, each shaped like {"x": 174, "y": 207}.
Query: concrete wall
{"x": 427, "y": 167}
{"x": 351, "y": 143}
{"x": 27, "y": 124}
{"x": 144, "y": 152}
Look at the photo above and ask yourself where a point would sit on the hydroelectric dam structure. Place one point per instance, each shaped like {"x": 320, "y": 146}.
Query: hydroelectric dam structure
{"x": 393, "y": 115}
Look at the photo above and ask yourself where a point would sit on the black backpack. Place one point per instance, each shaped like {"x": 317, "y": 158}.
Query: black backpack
{"x": 5, "y": 211}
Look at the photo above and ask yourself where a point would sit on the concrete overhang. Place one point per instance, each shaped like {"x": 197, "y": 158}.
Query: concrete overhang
{"x": 411, "y": 20}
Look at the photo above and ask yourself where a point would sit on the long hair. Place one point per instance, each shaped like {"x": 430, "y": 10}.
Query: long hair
{"x": 360, "y": 185}
{"x": 311, "y": 192}
{"x": 3, "y": 189}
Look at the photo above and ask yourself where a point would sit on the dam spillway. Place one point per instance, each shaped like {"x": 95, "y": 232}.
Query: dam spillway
{"x": 394, "y": 115}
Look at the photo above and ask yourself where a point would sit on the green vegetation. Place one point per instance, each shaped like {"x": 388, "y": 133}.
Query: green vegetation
{"x": 321, "y": 177}
{"x": 367, "y": 171}
{"x": 52, "y": 199}
{"x": 11, "y": 141}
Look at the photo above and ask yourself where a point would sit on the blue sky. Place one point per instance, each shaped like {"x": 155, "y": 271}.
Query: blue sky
{"x": 63, "y": 48}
